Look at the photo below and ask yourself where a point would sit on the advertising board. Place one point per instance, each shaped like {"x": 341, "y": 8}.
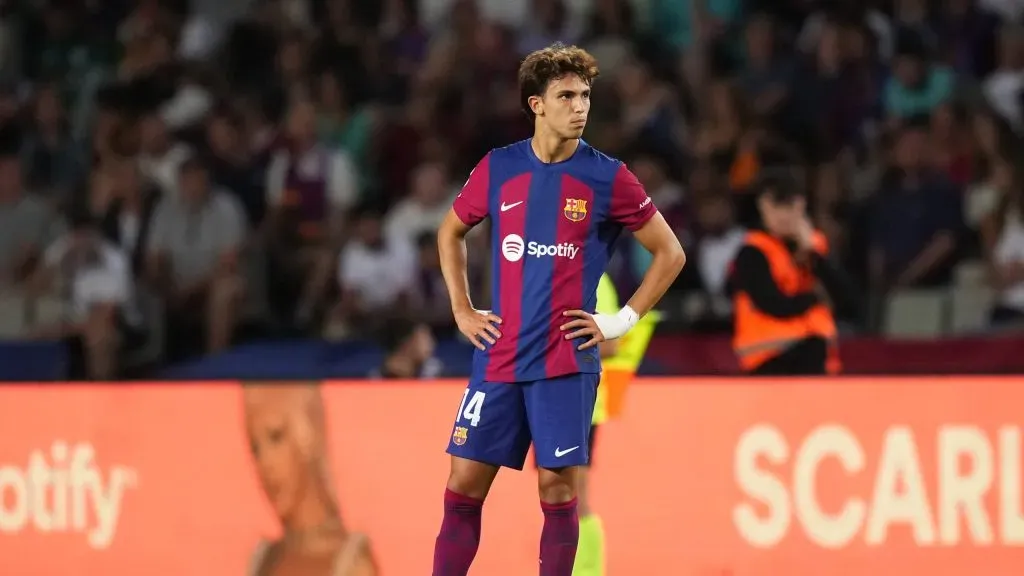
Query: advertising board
{"x": 700, "y": 477}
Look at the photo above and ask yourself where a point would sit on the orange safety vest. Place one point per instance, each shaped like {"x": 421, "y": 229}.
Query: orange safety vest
{"x": 760, "y": 337}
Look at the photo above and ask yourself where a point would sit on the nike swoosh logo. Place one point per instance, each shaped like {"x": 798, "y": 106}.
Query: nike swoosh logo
{"x": 507, "y": 207}
{"x": 560, "y": 453}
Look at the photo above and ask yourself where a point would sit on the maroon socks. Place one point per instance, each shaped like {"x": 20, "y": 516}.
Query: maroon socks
{"x": 559, "y": 538}
{"x": 459, "y": 538}
{"x": 460, "y": 535}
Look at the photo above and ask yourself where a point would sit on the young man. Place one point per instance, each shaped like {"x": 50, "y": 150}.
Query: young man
{"x": 557, "y": 207}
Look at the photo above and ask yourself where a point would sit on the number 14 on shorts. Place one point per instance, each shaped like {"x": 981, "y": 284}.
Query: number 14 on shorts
{"x": 471, "y": 407}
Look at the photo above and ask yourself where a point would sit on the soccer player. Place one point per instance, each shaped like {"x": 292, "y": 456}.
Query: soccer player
{"x": 556, "y": 206}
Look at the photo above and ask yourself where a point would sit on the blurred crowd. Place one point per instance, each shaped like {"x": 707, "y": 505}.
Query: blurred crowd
{"x": 176, "y": 176}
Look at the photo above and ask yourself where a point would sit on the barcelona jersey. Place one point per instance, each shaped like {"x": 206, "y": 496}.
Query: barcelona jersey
{"x": 554, "y": 226}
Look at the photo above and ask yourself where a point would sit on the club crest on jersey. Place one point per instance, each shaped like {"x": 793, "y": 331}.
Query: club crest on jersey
{"x": 575, "y": 209}
{"x": 460, "y": 435}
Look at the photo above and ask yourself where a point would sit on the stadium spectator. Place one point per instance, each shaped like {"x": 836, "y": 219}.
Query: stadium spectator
{"x": 310, "y": 187}
{"x": 234, "y": 166}
{"x": 1002, "y": 87}
{"x": 425, "y": 207}
{"x": 28, "y": 223}
{"x": 951, "y": 149}
{"x": 375, "y": 273}
{"x": 342, "y": 124}
{"x": 916, "y": 220}
{"x": 1004, "y": 231}
{"x": 194, "y": 252}
{"x": 967, "y": 31}
{"x": 52, "y": 160}
{"x": 720, "y": 240}
{"x": 429, "y": 294}
{"x": 161, "y": 156}
{"x": 767, "y": 75}
{"x": 918, "y": 85}
{"x": 551, "y": 23}
{"x": 409, "y": 351}
{"x": 102, "y": 318}
{"x": 125, "y": 203}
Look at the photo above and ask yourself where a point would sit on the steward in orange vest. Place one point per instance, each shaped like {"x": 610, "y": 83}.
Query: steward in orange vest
{"x": 784, "y": 288}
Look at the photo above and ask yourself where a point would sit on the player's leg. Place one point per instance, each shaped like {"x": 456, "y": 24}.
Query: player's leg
{"x": 590, "y": 558}
{"x": 560, "y": 412}
{"x": 490, "y": 431}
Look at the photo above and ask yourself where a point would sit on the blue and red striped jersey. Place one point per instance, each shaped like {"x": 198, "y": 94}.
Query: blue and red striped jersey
{"x": 553, "y": 230}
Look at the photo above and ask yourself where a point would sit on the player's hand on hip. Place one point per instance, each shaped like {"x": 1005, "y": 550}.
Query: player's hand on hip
{"x": 480, "y": 327}
{"x": 598, "y": 327}
{"x": 584, "y": 326}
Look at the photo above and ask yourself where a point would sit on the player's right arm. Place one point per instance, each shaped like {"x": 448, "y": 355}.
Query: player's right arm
{"x": 469, "y": 209}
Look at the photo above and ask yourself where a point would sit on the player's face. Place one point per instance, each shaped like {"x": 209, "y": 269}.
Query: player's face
{"x": 275, "y": 451}
{"x": 565, "y": 106}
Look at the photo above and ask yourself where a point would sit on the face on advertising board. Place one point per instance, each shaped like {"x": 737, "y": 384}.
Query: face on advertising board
{"x": 700, "y": 477}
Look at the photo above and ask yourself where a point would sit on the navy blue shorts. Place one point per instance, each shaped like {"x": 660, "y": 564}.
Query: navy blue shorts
{"x": 497, "y": 421}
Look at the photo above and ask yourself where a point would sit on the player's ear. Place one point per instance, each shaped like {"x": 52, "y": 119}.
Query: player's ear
{"x": 536, "y": 104}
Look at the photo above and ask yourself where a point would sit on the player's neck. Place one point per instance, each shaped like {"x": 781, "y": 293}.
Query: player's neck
{"x": 551, "y": 148}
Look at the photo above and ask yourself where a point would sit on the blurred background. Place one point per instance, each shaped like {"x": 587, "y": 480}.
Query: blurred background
{"x": 249, "y": 188}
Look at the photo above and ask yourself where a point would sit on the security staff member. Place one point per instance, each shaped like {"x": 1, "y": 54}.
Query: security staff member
{"x": 784, "y": 290}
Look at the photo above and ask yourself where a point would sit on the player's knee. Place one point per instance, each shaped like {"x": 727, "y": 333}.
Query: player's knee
{"x": 557, "y": 486}
{"x": 470, "y": 478}
{"x": 467, "y": 486}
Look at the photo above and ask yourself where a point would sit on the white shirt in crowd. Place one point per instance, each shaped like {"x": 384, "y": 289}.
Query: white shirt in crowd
{"x": 1009, "y": 249}
{"x": 1002, "y": 90}
{"x": 410, "y": 218}
{"x": 106, "y": 280}
{"x": 187, "y": 107}
{"x": 1009, "y": 10}
{"x": 378, "y": 276}
{"x": 333, "y": 165}
{"x": 163, "y": 170}
{"x": 714, "y": 257}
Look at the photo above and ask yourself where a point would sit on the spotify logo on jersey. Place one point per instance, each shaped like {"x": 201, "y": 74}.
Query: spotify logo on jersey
{"x": 513, "y": 244}
{"x": 512, "y": 247}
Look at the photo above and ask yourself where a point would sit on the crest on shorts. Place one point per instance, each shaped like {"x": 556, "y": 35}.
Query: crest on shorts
{"x": 575, "y": 209}
{"x": 460, "y": 435}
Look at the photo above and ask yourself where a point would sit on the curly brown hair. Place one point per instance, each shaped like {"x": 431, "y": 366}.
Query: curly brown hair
{"x": 551, "y": 63}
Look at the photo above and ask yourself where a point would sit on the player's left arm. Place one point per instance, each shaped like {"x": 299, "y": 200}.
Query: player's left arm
{"x": 659, "y": 239}
{"x": 632, "y": 208}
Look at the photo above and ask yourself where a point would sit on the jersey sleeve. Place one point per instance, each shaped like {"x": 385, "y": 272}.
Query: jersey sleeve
{"x": 630, "y": 206}
{"x": 471, "y": 205}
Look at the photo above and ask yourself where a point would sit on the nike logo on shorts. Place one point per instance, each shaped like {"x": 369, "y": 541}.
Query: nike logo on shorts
{"x": 560, "y": 453}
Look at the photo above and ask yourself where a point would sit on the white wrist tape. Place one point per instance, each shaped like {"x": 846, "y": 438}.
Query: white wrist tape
{"x": 615, "y": 326}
